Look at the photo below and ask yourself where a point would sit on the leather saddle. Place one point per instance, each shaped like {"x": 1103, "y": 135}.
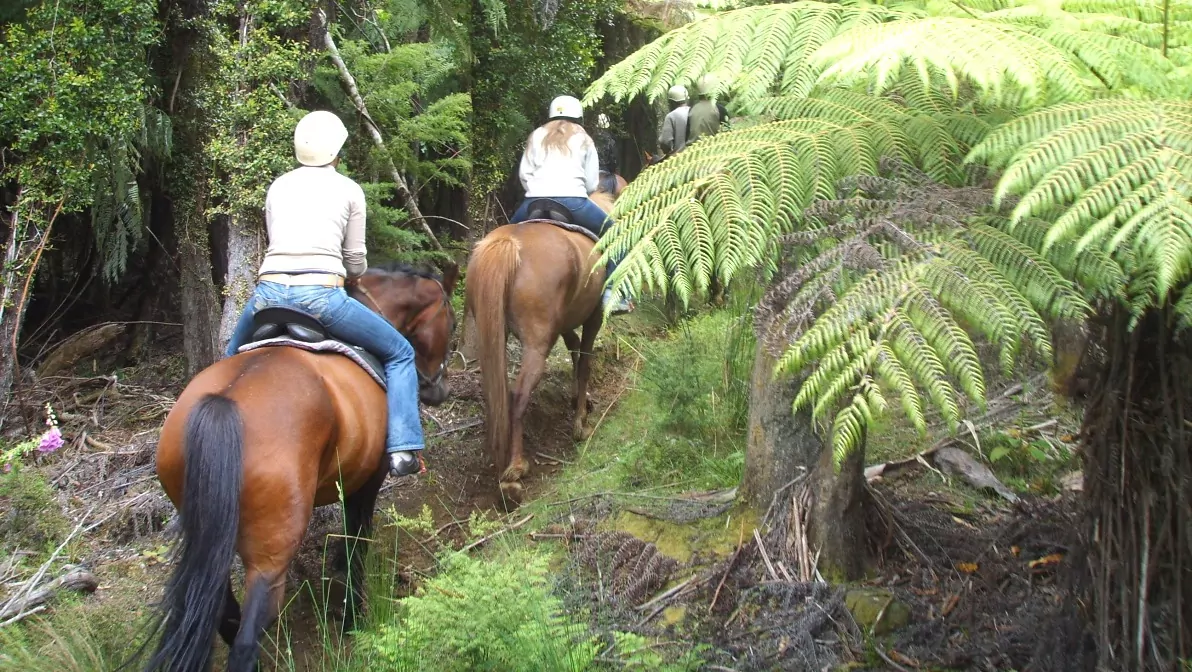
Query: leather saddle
{"x": 558, "y": 214}
{"x": 288, "y": 324}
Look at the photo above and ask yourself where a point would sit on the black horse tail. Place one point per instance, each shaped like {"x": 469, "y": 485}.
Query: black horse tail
{"x": 210, "y": 517}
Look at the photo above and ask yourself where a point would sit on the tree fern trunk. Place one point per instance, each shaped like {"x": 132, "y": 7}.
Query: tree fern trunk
{"x": 1138, "y": 486}
{"x": 782, "y": 447}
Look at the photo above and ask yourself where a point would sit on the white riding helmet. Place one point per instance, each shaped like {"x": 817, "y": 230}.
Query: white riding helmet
{"x": 566, "y": 107}
{"x": 677, "y": 93}
{"x": 602, "y": 120}
{"x": 318, "y": 138}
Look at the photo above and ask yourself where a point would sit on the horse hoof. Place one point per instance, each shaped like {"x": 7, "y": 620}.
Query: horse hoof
{"x": 512, "y": 492}
{"x": 580, "y": 433}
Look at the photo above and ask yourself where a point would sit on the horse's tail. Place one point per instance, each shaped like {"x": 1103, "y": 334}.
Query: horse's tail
{"x": 210, "y": 517}
{"x": 490, "y": 274}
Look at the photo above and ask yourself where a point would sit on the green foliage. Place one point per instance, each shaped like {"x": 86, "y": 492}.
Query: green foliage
{"x": 409, "y": 95}
{"x": 885, "y": 289}
{"x": 249, "y": 126}
{"x": 71, "y": 113}
{"x": 879, "y": 310}
{"x": 95, "y": 639}
{"x": 483, "y": 615}
{"x": 32, "y": 519}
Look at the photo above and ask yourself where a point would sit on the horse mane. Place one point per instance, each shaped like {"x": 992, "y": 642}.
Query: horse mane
{"x": 402, "y": 269}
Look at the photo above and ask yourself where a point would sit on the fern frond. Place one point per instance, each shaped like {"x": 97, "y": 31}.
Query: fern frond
{"x": 717, "y": 207}
{"x": 1112, "y": 174}
{"x": 1006, "y": 63}
{"x": 755, "y": 51}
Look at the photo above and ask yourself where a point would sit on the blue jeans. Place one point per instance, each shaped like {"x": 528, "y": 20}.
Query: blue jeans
{"x": 348, "y": 320}
{"x": 584, "y": 212}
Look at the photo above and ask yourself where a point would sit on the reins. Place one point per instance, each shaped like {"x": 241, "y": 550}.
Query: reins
{"x": 442, "y": 303}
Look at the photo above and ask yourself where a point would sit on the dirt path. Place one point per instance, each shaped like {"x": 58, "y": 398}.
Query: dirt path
{"x": 461, "y": 479}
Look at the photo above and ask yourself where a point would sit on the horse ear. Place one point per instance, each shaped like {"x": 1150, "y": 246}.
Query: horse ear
{"x": 450, "y": 277}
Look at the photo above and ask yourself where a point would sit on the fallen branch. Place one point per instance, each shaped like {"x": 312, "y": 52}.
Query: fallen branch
{"x": 20, "y": 594}
{"x": 457, "y": 428}
{"x": 349, "y": 82}
{"x": 765, "y": 556}
{"x": 77, "y": 579}
{"x": 79, "y": 345}
{"x": 732, "y": 561}
{"x": 498, "y": 533}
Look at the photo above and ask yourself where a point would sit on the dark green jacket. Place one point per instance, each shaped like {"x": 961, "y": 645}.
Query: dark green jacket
{"x": 704, "y": 119}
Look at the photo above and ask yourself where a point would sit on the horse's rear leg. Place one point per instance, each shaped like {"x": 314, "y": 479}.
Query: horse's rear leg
{"x": 574, "y": 345}
{"x": 358, "y": 516}
{"x": 229, "y": 625}
{"x": 263, "y": 595}
{"x": 583, "y": 370}
{"x": 270, "y": 536}
{"x": 532, "y": 366}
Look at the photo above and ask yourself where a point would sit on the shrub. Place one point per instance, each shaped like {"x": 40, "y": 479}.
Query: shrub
{"x": 482, "y": 615}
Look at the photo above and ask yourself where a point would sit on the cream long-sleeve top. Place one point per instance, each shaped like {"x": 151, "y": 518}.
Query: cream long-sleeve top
{"x": 315, "y": 220}
{"x": 549, "y": 173}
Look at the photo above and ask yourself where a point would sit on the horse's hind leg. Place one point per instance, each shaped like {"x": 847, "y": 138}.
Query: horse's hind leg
{"x": 533, "y": 365}
{"x": 574, "y": 345}
{"x": 358, "y": 515}
{"x": 229, "y": 625}
{"x": 262, "y": 601}
{"x": 583, "y": 371}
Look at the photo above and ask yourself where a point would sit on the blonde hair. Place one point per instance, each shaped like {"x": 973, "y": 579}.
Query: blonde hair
{"x": 559, "y": 133}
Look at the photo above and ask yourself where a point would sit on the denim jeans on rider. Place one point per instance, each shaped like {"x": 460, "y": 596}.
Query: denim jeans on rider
{"x": 583, "y": 211}
{"x": 350, "y": 320}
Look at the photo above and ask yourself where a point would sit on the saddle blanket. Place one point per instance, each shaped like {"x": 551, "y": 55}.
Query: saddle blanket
{"x": 322, "y": 347}
{"x": 574, "y": 228}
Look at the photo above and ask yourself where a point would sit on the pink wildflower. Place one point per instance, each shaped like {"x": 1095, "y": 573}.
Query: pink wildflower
{"x": 50, "y": 441}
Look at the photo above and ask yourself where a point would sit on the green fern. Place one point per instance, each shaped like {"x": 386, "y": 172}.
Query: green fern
{"x": 927, "y": 268}
{"x": 715, "y": 209}
{"x": 1112, "y": 175}
{"x": 1008, "y": 64}
{"x": 755, "y": 51}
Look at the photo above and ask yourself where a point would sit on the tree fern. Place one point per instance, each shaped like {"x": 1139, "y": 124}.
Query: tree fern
{"x": 1113, "y": 175}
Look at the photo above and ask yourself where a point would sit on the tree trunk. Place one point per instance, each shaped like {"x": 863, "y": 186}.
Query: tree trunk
{"x": 10, "y": 314}
{"x": 781, "y": 447}
{"x": 243, "y": 260}
{"x": 200, "y": 310}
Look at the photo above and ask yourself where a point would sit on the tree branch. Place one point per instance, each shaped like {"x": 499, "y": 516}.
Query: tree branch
{"x": 349, "y": 83}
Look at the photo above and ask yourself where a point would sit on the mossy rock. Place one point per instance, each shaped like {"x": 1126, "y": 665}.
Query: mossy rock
{"x": 868, "y": 604}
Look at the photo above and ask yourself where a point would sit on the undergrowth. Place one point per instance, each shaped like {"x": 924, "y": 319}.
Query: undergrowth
{"x": 682, "y": 411}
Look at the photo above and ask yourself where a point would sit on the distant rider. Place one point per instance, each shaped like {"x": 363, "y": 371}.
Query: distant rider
{"x": 314, "y": 218}
{"x": 561, "y": 163}
{"x": 674, "y": 128}
{"x": 706, "y": 115}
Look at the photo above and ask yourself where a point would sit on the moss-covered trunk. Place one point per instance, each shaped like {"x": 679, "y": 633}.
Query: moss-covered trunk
{"x": 781, "y": 447}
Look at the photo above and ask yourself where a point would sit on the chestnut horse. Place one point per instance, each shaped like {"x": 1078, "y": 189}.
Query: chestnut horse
{"x": 536, "y": 280}
{"x": 256, "y": 442}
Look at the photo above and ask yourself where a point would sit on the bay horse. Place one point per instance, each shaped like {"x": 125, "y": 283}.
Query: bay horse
{"x": 255, "y": 442}
{"x": 536, "y": 280}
